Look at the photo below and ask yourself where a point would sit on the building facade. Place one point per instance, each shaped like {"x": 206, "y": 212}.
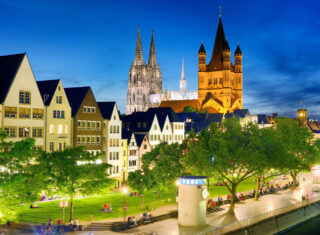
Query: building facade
{"x": 124, "y": 160}
{"x": 57, "y": 115}
{"x": 144, "y": 79}
{"x": 87, "y": 119}
{"x": 22, "y": 107}
{"x": 111, "y": 139}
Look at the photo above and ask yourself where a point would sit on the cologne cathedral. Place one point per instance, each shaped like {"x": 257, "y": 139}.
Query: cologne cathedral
{"x": 144, "y": 79}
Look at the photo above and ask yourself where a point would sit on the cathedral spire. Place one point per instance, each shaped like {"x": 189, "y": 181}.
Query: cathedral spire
{"x": 138, "y": 57}
{"x": 152, "y": 54}
{"x": 182, "y": 71}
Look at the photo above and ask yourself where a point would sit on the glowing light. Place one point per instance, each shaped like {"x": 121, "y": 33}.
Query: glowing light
{"x": 177, "y": 182}
{"x": 235, "y": 175}
{"x": 272, "y": 170}
{"x": 124, "y": 190}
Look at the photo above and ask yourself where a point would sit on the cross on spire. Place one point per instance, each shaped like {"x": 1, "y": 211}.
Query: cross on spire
{"x": 220, "y": 11}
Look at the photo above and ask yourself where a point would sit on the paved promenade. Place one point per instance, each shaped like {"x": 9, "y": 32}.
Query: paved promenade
{"x": 243, "y": 210}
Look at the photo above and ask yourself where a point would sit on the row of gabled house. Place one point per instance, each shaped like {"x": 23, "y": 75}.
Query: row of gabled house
{"x": 58, "y": 117}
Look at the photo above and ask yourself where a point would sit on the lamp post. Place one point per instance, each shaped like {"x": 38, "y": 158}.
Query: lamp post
{"x": 124, "y": 191}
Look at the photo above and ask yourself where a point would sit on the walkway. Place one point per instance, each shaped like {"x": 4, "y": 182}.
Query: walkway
{"x": 243, "y": 210}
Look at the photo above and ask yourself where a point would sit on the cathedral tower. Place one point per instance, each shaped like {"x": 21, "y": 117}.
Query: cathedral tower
{"x": 183, "y": 81}
{"x": 220, "y": 82}
{"x": 144, "y": 79}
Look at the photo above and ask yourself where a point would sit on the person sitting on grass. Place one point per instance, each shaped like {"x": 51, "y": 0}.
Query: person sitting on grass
{"x": 105, "y": 208}
{"x": 242, "y": 197}
{"x": 109, "y": 208}
{"x": 220, "y": 201}
{"x": 131, "y": 223}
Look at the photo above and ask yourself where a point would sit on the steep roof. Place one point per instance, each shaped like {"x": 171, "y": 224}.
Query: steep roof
{"x": 179, "y": 105}
{"x": 106, "y": 109}
{"x": 138, "y": 121}
{"x": 139, "y": 138}
{"x": 263, "y": 119}
{"x": 217, "y": 54}
{"x": 9, "y": 65}
{"x": 75, "y": 96}
{"x": 164, "y": 111}
{"x": 202, "y": 50}
{"x": 47, "y": 89}
{"x": 238, "y": 51}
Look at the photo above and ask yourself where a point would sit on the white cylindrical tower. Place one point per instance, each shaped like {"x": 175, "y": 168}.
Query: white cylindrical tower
{"x": 192, "y": 204}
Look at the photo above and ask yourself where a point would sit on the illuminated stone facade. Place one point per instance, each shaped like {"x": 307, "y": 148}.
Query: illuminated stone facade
{"x": 144, "y": 79}
{"x": 220, "y": 82}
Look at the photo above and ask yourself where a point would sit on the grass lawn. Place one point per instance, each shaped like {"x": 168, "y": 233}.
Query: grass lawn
{"x": 86, "y": 207}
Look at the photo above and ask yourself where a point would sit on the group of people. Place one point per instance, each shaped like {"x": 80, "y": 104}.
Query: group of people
{"x": 107, "y": 208}
{"x": 34, "y": 206}
{"x": 264, "y": 189}
{"x": 50, "y": 228}
{"x": 146, "y": 217}
{"x": 132, "y": 221}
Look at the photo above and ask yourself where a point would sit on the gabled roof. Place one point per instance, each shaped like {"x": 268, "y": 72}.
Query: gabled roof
{"x": 162, "y": 113}
{"x": 138, "y": 121}
{"x": 47, "y": 89}
{"x": 126, "y": 134}
{"x": 75, "y": 96}
{"x": 9, "y": 65}
{"x": 179, "y": 105}
{"x": 106, "y": 109}
{"x": 263, "y": 119}
{"x": 139, "y": 138}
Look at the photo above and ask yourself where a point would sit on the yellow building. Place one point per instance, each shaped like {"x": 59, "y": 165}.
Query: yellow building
{"x": 22, "y": 108}
{"x": 57, "y": 115}
{"x": 124, "y": 160}
{"x": 219, "y": 82}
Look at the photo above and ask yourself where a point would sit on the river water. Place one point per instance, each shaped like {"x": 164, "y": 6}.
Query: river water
{"x": 311, "y": 227}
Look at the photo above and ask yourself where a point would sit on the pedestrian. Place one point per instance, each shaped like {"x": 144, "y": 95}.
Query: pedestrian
{"x": 105, "y": 207}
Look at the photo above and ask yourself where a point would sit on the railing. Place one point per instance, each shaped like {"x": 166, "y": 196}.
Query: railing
{"x": 258, "y": 218}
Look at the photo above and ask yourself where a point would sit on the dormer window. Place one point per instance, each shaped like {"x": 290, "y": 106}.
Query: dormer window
{"x": 24, "y": 97}
{"x": 59, "y": 99}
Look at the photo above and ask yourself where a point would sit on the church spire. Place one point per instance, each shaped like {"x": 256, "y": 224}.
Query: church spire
{"x": 138, "y": 57}
{"x": 152, "y": 54}
{"x": 219, "y": 44}
{"x": 182, "y": 71}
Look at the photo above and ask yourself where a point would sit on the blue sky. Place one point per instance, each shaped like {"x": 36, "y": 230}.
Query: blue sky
{"x": 92, "y": 43}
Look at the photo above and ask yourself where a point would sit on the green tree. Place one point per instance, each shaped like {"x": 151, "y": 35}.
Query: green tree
{"x": 235, "y": 149}
{"x": 19, "y": 182}
{"x": 74, "y": 170}
{"x": 189, "y": 109}
{"x": 300, "y": 151}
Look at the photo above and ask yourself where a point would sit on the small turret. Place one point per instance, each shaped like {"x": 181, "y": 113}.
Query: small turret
{"x": 238, "y": 60}
{"x": 226, "y": 55}
{"x": 302, "y": 116}
{"x": 202, "y": 58}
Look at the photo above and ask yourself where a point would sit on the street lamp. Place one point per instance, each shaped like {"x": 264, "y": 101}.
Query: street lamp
{"x": 124, "y": 191}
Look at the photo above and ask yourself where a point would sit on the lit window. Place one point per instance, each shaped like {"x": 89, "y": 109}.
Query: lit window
{"x": 51, "y": 128}
{"x": 60, "y": 127}
{"x": 65, "y": 129}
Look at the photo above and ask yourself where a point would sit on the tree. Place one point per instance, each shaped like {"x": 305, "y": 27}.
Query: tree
{"x": 235, "y": 150}
{"x": 300, "y": 151}
{"x": 74, "y": 170}
{"x": 189, "y": 109}
{"x": 19, "y": 182}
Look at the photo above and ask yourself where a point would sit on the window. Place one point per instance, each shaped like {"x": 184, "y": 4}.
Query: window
{"x": 110, "y": 156}
{"x": 93, "y": 109}
{"x": 34, "y": 132}
{"x": 114, "y": 117}
{"x": 155, "y": 127}
{"x": 117, "y": 142}
{"x": 78, "y": 139}
{"x": 79, "y": 124}
{"x": 12, "y": 132}
{"x": 59, "y": 99}
{"x": 60, "y": 127}
{"x": 60, "y": 146}
{"x": 62, "y": 114}
{"x": 24, "y": 112}
{"x": 88, "y": 124}
{"x": 83, "y": 124}
{"x": 93, "y": 125}
{"x": 88, "y": 139}
{"x": 145, "y": 146}
{"x": 84, "y": 109}
{"x": 151, "y": 137}
{"x": 58, "y": 114}
{"x": 110, "y": 143}
{"x": 21, "y": 97}
{"x": 7, "y": 130}
{"x": 98, "y": 124}
{"x": 89, "y": 109}
{"x": 10, "y": 112}
{"x": 83, "y": 139}
{"x": 117, "y": 169}
{"x": 93, "y": 139}
{"x": 65, "y": 129}
{"x": 98, "y": 139}
{"x": 51, "y": 146}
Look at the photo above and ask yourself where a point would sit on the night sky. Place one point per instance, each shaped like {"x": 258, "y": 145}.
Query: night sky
{"x": 92, "y": 42}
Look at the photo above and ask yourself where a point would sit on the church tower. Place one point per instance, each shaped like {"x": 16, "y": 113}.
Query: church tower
{"x": 144, "y": 79}
{"x": 220, "y": 82}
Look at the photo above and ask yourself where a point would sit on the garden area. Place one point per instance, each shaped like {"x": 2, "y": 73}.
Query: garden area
{"x": 85, "y": 208}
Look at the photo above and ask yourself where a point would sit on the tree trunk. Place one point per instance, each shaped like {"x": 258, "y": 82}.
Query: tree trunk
{"x": 257, "y": 188}
{"x": 208, "y": 183}
{"x": 71, "y": 207}
{"x": 294, "y": 180}
{"x": 141, "y": 201}
{"x": 232, "y": 199}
